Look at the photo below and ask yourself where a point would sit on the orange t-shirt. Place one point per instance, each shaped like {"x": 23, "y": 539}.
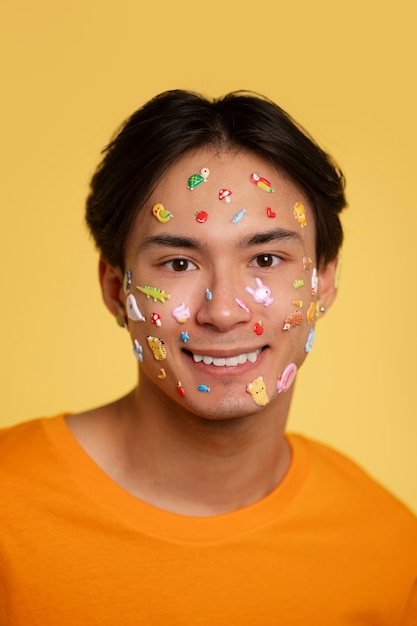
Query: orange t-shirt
{"x": 327, "y": 547}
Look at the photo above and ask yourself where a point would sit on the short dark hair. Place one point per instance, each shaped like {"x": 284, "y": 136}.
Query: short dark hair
{"x": 177, "y": 122}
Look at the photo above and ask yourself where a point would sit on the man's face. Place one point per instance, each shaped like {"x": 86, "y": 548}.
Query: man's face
{"x": 227, "y": 278}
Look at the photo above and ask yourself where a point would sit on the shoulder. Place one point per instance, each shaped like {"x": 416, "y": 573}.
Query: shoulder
{"x": 341, "y": 484}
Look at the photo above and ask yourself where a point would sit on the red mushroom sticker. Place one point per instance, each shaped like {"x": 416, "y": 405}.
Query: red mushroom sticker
{"x": 224, "y": 194}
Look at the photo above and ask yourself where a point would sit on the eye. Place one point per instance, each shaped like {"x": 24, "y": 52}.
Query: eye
{"x": 180, "y": 265}
{"x": 266, "y": 260}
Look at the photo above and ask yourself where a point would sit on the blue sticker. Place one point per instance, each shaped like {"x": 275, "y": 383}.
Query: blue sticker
{"x": 310, "y": 340}
{"x": 203, "y": 388}
{"x": 185, "y": 336}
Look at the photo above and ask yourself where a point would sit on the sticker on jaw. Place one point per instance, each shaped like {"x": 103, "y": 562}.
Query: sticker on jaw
{"x": 286, "y": 379}
{"x": 257, "y": 390}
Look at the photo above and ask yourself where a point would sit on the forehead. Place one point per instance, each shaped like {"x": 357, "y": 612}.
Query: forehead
{"x": 226, "y": 195}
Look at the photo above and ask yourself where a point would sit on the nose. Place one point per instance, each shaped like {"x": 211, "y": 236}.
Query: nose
{"x": 224, "y": 304}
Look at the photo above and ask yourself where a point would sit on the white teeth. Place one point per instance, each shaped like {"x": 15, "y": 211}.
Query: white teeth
{"x": 232, "y": 361}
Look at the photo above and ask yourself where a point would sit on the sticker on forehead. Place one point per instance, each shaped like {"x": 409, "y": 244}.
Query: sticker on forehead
{"x": 238, "y": 217}
{"x": 127, "y": 281}
{"x": 196, "y": 179}
{"x": 257, "y": 390}
{"x": 270, "y": 212}
{"x": 181, "y": 313}
{"x": 158, "y": 348}
{"x": 300, "y": 214}
{"x": 133, "y": 311}
{"x": 261, "y": 294}
{"x": 224, "y": 194}
{"x": 201, "y": 217}
{"x": 261, "y": 183}
{"x": 161, "y": 214}
{"x": 286, "y": 379}
{"x": 155, "y": 293}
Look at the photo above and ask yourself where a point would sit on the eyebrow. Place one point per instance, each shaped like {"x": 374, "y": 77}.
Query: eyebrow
{"x": 169, "y": 240}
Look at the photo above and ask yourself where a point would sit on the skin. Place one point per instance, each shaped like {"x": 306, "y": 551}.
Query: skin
{"x": 201, "y": 453}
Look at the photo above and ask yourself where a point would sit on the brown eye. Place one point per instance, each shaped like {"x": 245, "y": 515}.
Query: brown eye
{"x": 180, "y": 265}
{"x": 264, "y": 260}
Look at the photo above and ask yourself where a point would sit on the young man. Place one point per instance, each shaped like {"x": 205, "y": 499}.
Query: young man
{"x": 185, "y": 502}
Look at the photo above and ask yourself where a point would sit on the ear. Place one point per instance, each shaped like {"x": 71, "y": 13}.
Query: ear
{"x": 327, "y": 288}
{"x": 111, "y": 281}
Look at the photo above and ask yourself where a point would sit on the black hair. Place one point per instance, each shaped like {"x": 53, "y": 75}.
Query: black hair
{"x": 177, "y": 122}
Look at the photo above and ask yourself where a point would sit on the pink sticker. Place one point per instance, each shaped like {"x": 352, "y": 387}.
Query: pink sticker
{"x": 242, "y": 305}
{"x": 287, "y": 377}
{"x": 261, "y": 294}
{"x": 181, "y": 313}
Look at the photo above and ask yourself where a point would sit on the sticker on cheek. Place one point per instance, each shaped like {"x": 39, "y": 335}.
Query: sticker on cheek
{"x": 261, "y": 294}
{"x": 310, "y": 340}
{"x": 180, "y": 389}
{"x": 138, "y": 350}
{"x": 257, "y": 390}
{"x": 261, "y": 183}
{"x": 307, "y": 263}
{"x": 286, "y": 379}
{"x": 242, "y": 305}
{"x": 224, "y": 194}
{"x": 127, "y": 281}
{"x": 258, "y": 327}
{"x": 156, "y": 319}
{"x": 300, "y": 214}
{"x": 298, "y": 283}
{"x": 314, "y": 282}
{"x": 197, "y": 179}
{"x": 298, "y": 303}
{"x": 161, "y": 214}
{"x": 133, "y": 311}
{"x": 311, "y": 313}
{"x": 185, "y": 337}
{"x": 158, "y": 348}
{"x": 293, "y": 320}
{"x": 181, "y": 313}
{"x": 157, "y": 295}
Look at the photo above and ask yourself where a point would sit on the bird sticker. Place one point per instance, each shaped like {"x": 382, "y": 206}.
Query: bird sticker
{"x": 261, "y": 182}
{"x": 161, "y": 214}
{"x": 197, "y": 179}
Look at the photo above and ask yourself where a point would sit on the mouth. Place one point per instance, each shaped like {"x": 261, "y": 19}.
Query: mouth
{"x": 230, "y": 361}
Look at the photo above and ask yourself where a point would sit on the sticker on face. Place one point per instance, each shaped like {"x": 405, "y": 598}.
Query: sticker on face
{"x": 307, "y": 263}
{"x": 257, "y": 390}
{"x": 138, "y": 350}
{"x": 314, "y": 282}
{"x": 181, "y": 313}
{"x": 293, "y": 320}
{"x": 162, "y": 374}
{"x": 155, "y": 293}
{"x": 261, "y": 183}
{"x": 209, "y": 295}
{"x": 242, "y": 305}
{"x": 133, "y": 311}
{"x": 258, "y": 328}
{"x": 298, "y": 283}
{"x": 298, "y": 303}
{"x": 238, "y": 217}
{"x": 203, "y": 388}
{"x": 300, "y": 214}
{"x": 311, "y": 312}
{"x": 270, "y": 213}
{"x": 161, "y": 214}
{"x": 158, "y": 348}
{"x": 127, "y": 281}
{"x": 185, "y": 337}
{"x": 180, "y": 389}
{"x": 286, "y": 379}
{"x": 201, "y": 217}
{"x": 156, "y": 319}
{"x": 197, "y": 179}
{"x": 261, "y": 294}
{"x": 310, "y": 340}
{"x": 224, "y": 194}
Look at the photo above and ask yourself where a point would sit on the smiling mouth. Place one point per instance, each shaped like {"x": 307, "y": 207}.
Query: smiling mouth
{"x": 233, "y": 361}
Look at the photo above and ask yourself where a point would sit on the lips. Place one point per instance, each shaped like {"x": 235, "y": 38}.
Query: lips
{"x": 232, "y": 361}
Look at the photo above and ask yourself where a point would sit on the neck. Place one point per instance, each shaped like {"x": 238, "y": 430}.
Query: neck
{"x": 190, "y": 465}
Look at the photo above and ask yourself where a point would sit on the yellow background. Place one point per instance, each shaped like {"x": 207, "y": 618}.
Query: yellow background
{"x": 73, "y": 71}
